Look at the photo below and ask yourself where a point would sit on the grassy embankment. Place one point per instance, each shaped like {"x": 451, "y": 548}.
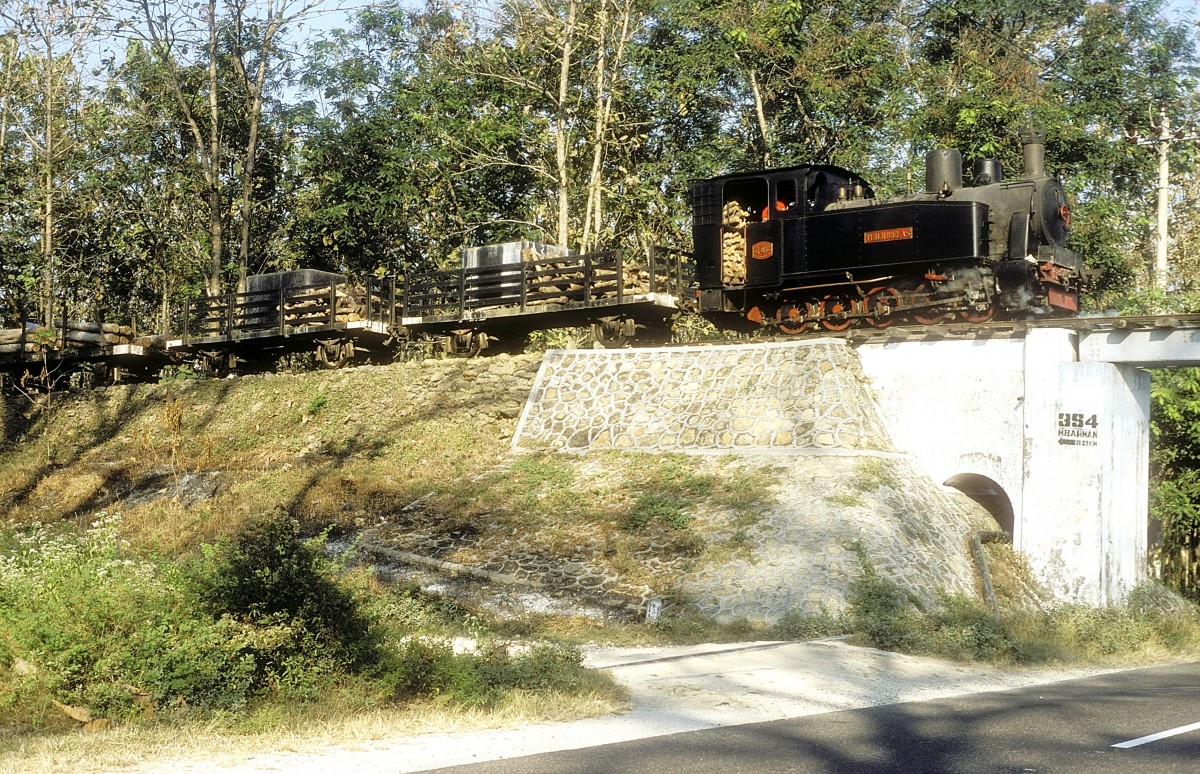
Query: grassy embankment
{"x": 157, "y": 567}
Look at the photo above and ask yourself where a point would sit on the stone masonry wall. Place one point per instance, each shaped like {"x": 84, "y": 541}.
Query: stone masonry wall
{"x": 790, "y": 398}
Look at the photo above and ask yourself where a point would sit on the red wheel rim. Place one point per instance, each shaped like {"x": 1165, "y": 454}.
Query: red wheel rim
{"x": 928, "y": 315}
{"x": 792, "y": 320}
{"x": 976, "y": 316}
{"x": 885, "y": 297}
{"x": 832, "y": 310}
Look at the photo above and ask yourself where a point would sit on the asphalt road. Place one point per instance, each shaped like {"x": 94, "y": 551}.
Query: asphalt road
{"x": 1069, "y": 726}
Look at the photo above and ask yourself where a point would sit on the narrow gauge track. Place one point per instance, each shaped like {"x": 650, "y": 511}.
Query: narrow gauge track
{"x": 961, "y": 330}
{"x": 898, "y": 332}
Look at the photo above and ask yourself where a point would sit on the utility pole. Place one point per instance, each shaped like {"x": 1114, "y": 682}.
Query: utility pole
{"x": 1163, "y": 139}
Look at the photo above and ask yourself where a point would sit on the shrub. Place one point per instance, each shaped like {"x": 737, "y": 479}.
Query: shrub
{"x": 961, "y": 629}
{"x": 799, "y": 626}
{"x": 274, "y": 580}
{"x": 85, "y": 622}
{"x": 430, "y": 667}
{"x": 881, "y": 612}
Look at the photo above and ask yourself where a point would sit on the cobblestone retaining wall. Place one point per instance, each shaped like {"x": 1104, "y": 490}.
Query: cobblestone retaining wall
{"x": 788, "y": 398}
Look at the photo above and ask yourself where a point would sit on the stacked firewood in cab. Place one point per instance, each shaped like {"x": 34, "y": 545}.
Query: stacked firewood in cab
{"x": 733, "y": 244}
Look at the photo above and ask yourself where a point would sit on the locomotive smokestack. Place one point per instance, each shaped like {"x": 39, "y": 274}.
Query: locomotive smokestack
{"x": 1033, "y": 141}
{"x": 986, "y": 172}
{"x": 943, "y": 171}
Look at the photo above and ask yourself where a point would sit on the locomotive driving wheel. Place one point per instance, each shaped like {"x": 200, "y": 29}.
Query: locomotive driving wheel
{"x": 793, "y": 319}
{"x": 928, "y": 315}
{"x": 835, "y": 313}
{"x": 880, "y": 303}
{"x": 976, "y": 315}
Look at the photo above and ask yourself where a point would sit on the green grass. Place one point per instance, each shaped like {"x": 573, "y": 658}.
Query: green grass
{"x": 963, "y": 629}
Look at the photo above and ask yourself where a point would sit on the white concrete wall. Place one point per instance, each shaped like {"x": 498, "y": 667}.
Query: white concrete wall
{"x": 1067, "y": 441}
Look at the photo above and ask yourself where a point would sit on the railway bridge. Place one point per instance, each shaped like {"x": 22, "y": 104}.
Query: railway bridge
{"x": 1047, "y": 425}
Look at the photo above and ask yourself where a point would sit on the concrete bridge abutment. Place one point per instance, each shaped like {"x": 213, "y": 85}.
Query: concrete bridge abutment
{"x": 1066, "y": 442}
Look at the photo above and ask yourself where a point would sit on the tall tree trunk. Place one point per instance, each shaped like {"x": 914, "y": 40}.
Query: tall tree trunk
{"x": 561, "y": 139}
{"x": 213, "y": 177}
{"x": 256, "y": 92}
{"x": 591, "y": 216}
{"x": 760, "y": 114}
{"x": 48, "y": 148}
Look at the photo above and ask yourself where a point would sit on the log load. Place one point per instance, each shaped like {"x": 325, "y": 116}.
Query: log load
{"x": 733, "y": 247}
{"x": 260, "y": 310}
{"x": 77, "y": 334}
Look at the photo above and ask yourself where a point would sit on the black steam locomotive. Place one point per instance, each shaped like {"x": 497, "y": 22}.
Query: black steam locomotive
{"x": 811, "y": 247}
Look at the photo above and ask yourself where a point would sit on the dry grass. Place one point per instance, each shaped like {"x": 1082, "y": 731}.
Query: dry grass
{"x": 305, "y": 730}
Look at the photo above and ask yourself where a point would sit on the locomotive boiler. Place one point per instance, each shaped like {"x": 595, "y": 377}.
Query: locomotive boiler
{"x": 812, "y": 247}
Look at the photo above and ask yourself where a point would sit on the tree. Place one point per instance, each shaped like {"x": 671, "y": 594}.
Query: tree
{"x": 1087, "y": 72}
{"x": 384, "y": 190}
{"x": 193, "y": 52}
{"x": 47, "y": 39}
{"x": 809, "y": 81}
{"x": 1175, "y": 474}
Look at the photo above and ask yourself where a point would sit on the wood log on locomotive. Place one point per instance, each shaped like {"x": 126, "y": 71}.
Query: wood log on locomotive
{"x": 811, "y": 247}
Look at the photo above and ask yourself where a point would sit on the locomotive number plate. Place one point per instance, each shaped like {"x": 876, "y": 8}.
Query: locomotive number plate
{"x": 762, "y": 250}
{"x": 887, "y": 235}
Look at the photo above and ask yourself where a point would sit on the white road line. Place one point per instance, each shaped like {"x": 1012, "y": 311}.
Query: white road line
{"x": 1159, "y": 735}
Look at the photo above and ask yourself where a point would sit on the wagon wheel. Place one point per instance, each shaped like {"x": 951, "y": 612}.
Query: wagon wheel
{"x": 215, "y": 363}
{"x": 334, "y": 353}
{"x": 927, "y": 315}
{"x": 465, "y": 343}
{"x": 835, "y": 314}
{"x": 792, "y": 319}
{"x": 613, "y": 332}
{"x": 880, "y": 303}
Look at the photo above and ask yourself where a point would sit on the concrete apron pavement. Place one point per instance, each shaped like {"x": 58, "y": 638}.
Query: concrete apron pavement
{"x": 689, "y": 688}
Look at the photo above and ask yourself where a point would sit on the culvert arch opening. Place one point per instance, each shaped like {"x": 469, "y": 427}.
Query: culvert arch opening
{"x": 988, "y": 494}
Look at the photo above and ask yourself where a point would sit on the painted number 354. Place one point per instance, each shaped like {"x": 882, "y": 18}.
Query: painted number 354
{"x": 1077, "y": 420}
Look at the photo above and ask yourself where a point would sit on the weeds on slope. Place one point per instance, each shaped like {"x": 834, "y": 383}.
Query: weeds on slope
{"x": 92, "y": 632}
{"x": 961, "y": 628}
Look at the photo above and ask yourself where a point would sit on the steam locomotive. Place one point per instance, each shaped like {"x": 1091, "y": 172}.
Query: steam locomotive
{"x": 810, "y": 247}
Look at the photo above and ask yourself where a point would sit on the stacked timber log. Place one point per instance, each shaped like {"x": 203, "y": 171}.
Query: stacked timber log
{"x": 733, "y": 247}
{"x": 553, "y": 283}
{"x": 566, "y": 282}
{"x": 76, "y": 334}
{"x": 260, "y": 310}
{"x": 313, "y": 308}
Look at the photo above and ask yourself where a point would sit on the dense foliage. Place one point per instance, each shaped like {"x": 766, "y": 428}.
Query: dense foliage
{"x": 88, "y": 622}
{"x": 170, "y": 163}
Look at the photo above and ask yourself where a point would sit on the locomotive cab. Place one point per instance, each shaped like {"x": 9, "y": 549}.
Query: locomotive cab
{"x": 744, "y": 225}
